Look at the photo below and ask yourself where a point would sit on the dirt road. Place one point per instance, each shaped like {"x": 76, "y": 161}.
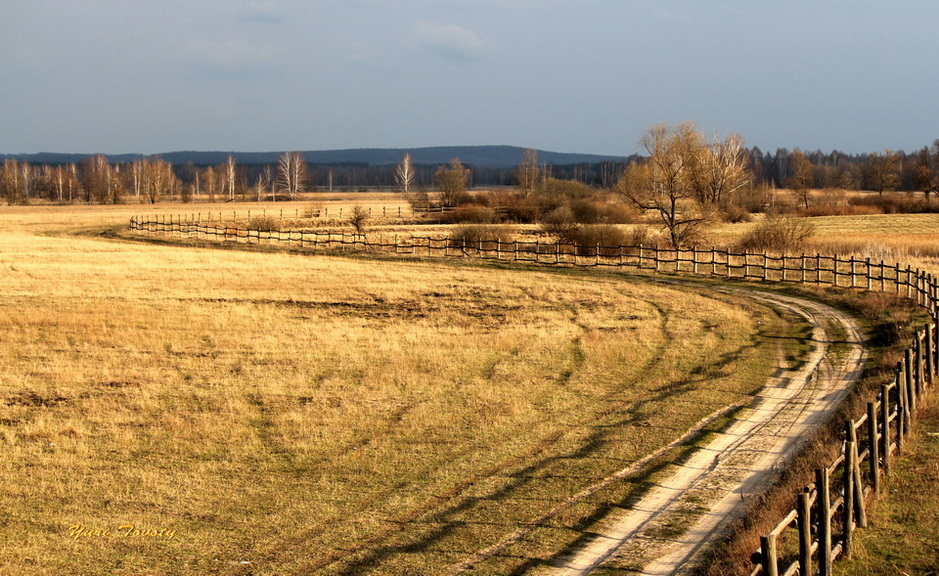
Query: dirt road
{"x": 664, "y": 533}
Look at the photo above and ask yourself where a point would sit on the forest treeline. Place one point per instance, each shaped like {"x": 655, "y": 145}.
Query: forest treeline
{"x": 97, "y": 179}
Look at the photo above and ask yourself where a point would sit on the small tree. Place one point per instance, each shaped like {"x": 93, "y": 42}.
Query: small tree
{"x": 451, "y": 183}
{"x": 404, "y": 175}
{"x": 358, "y": 219}
{"x": 803, "y": 176}
{"x": 528, "y": 173}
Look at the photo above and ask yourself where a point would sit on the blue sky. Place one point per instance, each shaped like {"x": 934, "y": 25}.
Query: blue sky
{"x": 586, "y": 76}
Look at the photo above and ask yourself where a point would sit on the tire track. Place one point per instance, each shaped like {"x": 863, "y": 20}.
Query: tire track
{"x": 666, "y": 530}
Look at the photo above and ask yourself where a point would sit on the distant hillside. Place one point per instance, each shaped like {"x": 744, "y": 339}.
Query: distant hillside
{"x": 482, "y": 156}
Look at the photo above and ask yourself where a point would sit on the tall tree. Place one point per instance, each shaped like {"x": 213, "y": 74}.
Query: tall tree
{"x": 803, "y": 176}
{"x": 230, "y": 177}
{"x": 404, "y": 175}
{"x": 883, "y": 171}
{"x": 211, "y": 181}
{"x": 292, "y": 173}
{"x": 528, "y": 173}
{"x": 664, "y": 182}
{"x": 926, "y": 169}
{"x": 720, "y": 170}
{"x": 451, "y": 183}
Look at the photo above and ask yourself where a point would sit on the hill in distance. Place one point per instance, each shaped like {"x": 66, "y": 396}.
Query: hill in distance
{"x": 483, "y": 156}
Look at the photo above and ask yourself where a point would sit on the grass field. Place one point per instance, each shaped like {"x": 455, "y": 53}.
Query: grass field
{"x": 195, "y": 411}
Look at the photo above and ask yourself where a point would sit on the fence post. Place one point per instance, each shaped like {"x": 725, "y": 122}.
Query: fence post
{"x": 804, "y": 520}
{"x": 823, "y": 505}
{"x": 901, "y": 407}
{"x": 910, "y": 385}
{"x": 930, "y": 352}
{"x": 850, "y": 459}
{"x": 885, "y": 424}
{"x": 873, "y": 446}
{"x": 920, "y": 336}
{"x": 768, "y": 550}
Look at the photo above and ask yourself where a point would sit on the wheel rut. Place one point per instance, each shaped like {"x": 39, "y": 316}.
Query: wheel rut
{"x": 694, "y": 501}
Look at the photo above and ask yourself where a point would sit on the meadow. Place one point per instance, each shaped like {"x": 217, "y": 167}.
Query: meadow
{"x": 185, "y": 410}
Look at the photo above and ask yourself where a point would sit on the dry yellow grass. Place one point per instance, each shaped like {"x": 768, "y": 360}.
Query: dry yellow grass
{"x": 279, "y": 414}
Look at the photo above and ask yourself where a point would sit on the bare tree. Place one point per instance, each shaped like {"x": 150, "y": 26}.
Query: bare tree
{"x": 358, "y": 219}
{"x": 211, "y": 180}
{"x": 664, "y": 183}
{"x": 451, "y": 183}
{"x": 292, "y": 173}
{"x": 803, "y": 176}
{"x": 926, "y": 169}
{"x": 721, "y": 170}
{"x": 883, "y": 171}
{"x": 229, "y": 177}
{"x": 528, "y": 173}
{"x": 404, "y": 175}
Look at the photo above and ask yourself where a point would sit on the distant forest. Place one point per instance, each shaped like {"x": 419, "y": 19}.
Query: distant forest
{"x": 259, "y": 176}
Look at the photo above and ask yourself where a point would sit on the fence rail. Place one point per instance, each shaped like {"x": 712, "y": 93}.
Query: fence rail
{"x": 820, "y": 526}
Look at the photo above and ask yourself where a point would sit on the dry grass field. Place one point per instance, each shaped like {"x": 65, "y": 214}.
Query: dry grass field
{"x": 168, "y": 410}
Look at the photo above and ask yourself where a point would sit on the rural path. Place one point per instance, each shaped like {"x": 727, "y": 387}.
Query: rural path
{"x": 665, "y": 531}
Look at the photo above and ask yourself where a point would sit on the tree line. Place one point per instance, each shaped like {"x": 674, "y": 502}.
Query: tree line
{"x": 95, "y": 179}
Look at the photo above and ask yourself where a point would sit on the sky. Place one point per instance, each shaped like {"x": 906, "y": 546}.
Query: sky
{"x": 586, "y": 76}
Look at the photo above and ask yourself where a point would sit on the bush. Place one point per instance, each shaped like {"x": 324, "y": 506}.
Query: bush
{"x": 470, "y": 213}
{"x": 777, "y": 234}
{"x": 264, "y": 224}
{"x": 473, "y": 234}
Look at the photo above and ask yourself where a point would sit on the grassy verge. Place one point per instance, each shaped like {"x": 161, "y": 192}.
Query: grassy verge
{"x": 904, "y": 527}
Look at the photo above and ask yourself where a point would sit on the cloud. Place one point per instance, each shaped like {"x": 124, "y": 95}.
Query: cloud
{"x": 450, "y": 41}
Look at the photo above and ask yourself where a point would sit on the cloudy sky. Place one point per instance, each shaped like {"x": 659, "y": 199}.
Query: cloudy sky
{"x": 564, "y": 75}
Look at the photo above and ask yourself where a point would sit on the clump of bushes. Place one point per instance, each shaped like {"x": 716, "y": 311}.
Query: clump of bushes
{"x": 264, "y": 224}
{"x": 777, "y": 234}
{"x": 471, "y": 234}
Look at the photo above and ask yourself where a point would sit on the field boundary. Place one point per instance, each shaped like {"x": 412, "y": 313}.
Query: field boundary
{"x": 819, "y": 528}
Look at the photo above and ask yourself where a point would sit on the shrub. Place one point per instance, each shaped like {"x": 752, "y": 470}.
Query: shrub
{"x": 778, "y": 234}
{"x": 473, "y": 234}
{"x": 264, "y": 224}
{"x": 470, "y": 213}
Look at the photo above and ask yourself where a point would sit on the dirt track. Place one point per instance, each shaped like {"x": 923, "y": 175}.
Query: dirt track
{"x": 664, "y": 533}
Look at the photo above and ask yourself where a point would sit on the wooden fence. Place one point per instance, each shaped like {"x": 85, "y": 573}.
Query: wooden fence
{"x": 820, "y": 526}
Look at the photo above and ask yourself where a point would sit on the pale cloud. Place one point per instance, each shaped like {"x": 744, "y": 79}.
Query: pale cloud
{"x": 450, "y": 41}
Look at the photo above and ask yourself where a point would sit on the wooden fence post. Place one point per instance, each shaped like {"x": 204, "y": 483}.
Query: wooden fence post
{"x": 873, "y": 445}
{"x": 823, "y": 515}
{"x": 885, "y": 423}
{"x": 930, "y": 354}
{"x": 804, "y": 520}
{"x": 850, "y": 459}
{"x": 768, "y": 549}
{"x": 910, "y": 385}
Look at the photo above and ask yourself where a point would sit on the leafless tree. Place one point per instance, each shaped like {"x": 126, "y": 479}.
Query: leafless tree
{"x": 883, "y": 171}
{"x": 664, "y": 183}
{"x": 292, "y": 173}
{"x": 803, "y": 176}
{"x": 720, "y": 170}
{"x": 404, "y": 175}
{"x": 528, "y": 173}
{"x": 229, "y": 175}
{"x": 451, "y": 182}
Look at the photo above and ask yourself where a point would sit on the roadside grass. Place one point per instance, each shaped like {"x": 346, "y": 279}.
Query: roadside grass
{"x": 903, "y": 525}
{"x": 284, "y": 414}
